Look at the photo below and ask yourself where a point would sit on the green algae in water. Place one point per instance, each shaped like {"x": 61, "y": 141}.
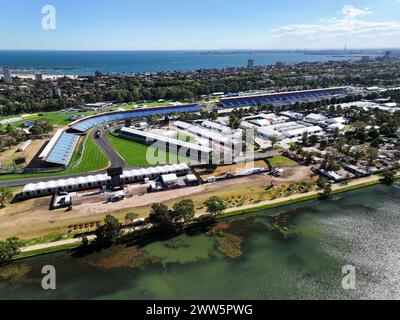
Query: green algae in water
{"x": 182, "y": 249}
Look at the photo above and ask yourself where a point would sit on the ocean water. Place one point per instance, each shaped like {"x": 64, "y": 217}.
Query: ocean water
{"x": 87, "y": 62}
{"x": 358, "y": 229}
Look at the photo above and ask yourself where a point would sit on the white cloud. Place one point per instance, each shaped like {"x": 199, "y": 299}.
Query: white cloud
{"x": 351, "y": 12}
{"x": 349, "y": 27}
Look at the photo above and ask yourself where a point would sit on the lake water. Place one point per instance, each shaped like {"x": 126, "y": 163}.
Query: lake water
{"x": 87, "y": 62}
{"x": 360, "y": 228}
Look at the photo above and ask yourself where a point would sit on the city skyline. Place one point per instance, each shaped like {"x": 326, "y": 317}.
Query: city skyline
{"x": 137, "y": 25}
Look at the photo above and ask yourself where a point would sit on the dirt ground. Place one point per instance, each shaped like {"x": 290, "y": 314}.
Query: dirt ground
{"x": 7, "y": 156}
{"x": 32, "y": 218}
{"x": 235, "y": 169}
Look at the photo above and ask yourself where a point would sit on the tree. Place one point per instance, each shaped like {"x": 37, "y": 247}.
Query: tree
{"x": 330, "y": 163}
{"x": 304, "y": 138}
{"x": 357, "y": 154}
{"x": 109, "y": 232}
{"x": 388, "y": 177}
{"x": 215, "y": 205}
{"x": 313, "y": 140}
{"x": 158, "y": 213}
{"x": 5, "y": 196}
{"x": 372, "y": 154}
{"x": 9, "y": 141}
{"x": 130, "y": 217}
{"x": 340, "y": 143}
{"x": 308, "y": 156}
{"x": 183, "y": 210}
{"x": 160, "y": 216}
{"x": 327, "y": 191}
{"x": 292, "y": 147}
{"x": 274, "y": 140}
{"x": 234, "y": 121}
{"x": 323, "y": 144}
{"x": 9, "y": 249}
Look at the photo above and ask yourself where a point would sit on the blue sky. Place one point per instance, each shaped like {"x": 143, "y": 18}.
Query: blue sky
{"x": 200, "y": 24}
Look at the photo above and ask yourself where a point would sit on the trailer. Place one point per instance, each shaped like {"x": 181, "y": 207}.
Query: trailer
{"x": 25, "y": 145}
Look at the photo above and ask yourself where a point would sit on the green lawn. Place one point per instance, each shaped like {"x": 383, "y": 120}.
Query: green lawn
{"x": 93, "y": 159}
{"x": 280, "y": 161}
{"x": 134, "y": 153}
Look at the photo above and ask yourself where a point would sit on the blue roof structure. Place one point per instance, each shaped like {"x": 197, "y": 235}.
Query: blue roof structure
{"x": 86, "y": 124}
{"x": 63, "y": 149}
{"x": 287, "y": 97}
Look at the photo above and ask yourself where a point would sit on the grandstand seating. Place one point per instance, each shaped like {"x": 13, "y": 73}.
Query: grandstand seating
{"x": 90, "y": 122}
{"x": 287, "y": 97}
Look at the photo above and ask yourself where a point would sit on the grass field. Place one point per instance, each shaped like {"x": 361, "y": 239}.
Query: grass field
{"x": 280, "y": 161}
{"x": 135, "y": 153}
{"x": 93, "y": 159}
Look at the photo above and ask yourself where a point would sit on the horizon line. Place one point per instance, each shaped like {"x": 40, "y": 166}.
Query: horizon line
{"x": 222, "y": 49}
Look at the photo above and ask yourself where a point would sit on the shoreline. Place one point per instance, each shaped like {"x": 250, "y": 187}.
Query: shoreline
{"x": 297, "y": 198}
{"x": 62, "y": 245}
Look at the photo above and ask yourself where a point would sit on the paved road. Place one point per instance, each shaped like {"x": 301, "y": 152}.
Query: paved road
{"x": 102, "y": 142}
{"x": 55, "y": 244}
{"x": 59, "y": 243}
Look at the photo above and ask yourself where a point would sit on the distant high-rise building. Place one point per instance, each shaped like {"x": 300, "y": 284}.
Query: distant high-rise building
{"x": 7, "y": 75}
{"x": 388, "y": 54}
{"x": 38, "y": 77}
{"x": 250, "y": 63}
{"x": 55, "y": 91}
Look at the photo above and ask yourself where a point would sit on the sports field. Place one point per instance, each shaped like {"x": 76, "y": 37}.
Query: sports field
{"x": 137, "y": 155}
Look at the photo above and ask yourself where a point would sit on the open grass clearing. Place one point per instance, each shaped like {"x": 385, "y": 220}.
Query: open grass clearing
{"x": 282, "y": 162}
{"x": 139, "y": 155}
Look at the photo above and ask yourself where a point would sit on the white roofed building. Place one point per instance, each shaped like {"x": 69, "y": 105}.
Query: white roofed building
{"x": 217, "y": 127}
{"x": 315, "y": 118}
{"x": 298, "y": 133}
{"x": 97, "y": 181}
